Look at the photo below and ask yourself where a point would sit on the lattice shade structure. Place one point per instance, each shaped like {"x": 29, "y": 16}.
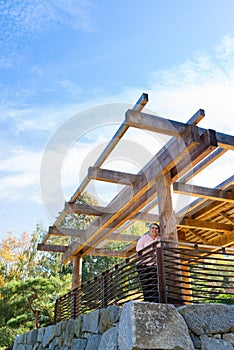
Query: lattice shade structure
{"x": 208, "y": 220}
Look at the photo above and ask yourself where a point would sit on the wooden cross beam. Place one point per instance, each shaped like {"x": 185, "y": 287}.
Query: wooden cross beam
{"x": 111, "y": 176}
{"x": 204, "y": 192}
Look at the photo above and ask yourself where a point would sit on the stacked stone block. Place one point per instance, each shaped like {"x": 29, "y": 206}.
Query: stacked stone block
{"x": 139, "y": 326}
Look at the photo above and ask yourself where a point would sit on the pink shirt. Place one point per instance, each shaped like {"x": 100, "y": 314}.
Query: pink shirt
{"x": 146, "y": 240}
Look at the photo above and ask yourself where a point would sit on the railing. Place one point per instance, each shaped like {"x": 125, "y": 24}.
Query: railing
{"x": 192, "y": 274}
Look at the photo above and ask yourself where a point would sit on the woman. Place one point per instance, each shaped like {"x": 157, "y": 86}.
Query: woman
{"x": 146, "y": 266}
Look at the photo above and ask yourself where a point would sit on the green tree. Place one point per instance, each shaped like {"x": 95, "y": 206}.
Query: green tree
{"x": 31, "y": 302}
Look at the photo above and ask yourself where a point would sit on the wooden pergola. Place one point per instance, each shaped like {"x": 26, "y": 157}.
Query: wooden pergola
{"x": 208, "y": 220}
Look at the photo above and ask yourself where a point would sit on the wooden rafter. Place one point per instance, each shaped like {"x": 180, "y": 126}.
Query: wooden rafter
{"x": 170, "y": 127}
{"x": 201, "y": 205}
{"x": 207, "y": 225}
{"x": 204, "y": 192}
{"x": 111, "y": 176}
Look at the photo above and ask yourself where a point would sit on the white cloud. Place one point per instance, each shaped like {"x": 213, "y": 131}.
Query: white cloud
{"x": 206, "y": 82}
{"x": 225, "y": 49}
{"x": 20, "y": 175}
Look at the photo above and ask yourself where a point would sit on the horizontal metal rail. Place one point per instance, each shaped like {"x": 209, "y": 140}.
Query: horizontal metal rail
{"x": 162, "y": 273}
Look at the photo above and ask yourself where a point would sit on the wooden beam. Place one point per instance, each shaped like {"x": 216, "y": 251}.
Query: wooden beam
{"x": 225, "y": 141}
{"x": 205, "y": 225}
{"x": 64, "y": 231}
{"x": 170, "y": 127}
{"x": 86, "y": 209}
{"x": 199, "y": 205}
{"x": 154, "y": 123}
{"x": 111, "y": 176}
{"x": 51, "y": 248}
{"x": 197, "y": 117}
{"x": 143, "y": 100}
{"x": 204, "y": 192}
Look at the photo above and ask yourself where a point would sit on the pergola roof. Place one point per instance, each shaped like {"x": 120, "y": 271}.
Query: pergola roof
{"x": 190, "y": 150}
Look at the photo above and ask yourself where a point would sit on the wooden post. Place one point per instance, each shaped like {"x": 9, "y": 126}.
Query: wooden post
{"x": 161, "y": 275}
{"x": 77, "y": 271}
{"x": 167, "y": 220}
{"x": 168, "y": 231}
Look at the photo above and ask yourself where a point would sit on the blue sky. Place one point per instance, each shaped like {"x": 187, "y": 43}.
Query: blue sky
{"x": 59, "y": 58}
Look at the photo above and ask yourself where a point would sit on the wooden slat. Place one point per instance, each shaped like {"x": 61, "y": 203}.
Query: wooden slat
{"x": 199, "y": 236}
{"x": 231, "y": 220}
{"x": 204, "y": 192}
{"x": 111, "y": 176}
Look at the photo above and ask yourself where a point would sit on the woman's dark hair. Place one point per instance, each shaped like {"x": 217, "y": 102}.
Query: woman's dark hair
{"x": 155, "y": 224}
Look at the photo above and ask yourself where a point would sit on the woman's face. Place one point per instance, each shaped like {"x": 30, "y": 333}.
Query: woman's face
{"x": 154, "y": 231}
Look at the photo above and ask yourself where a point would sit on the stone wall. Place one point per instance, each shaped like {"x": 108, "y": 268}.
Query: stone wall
{"x": 139, "y": 325}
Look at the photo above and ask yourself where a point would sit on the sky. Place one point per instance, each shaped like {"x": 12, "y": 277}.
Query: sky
{"x": 70, "y": 69}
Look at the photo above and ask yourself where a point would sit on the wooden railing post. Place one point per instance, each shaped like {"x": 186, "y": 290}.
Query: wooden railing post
{"x": 73, "y": 304}
{"x": 162, "y": 288}
{"x": 56, "y": 313}
{"x": 104, "y": 289}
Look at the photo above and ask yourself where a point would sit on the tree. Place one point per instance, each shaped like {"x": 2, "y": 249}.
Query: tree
{"x": 31, "y": 302}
